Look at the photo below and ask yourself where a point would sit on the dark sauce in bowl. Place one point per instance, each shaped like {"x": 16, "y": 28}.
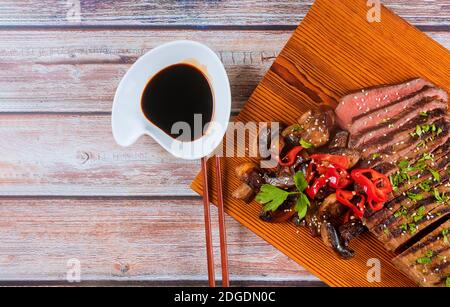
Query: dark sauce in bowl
{"x": 176, "y": 94}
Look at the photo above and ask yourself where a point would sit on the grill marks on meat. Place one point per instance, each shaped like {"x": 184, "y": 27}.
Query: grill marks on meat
{"x": 412, "y": 149}
{"x": 410, "y": 122}
{"x": 366, "y": 122}
{"x": 403, "y": 121}
{"x": 410, "y": 219}
{"x": 393, "y": 138}
{"x": 367, "y": 100}
{"x": 427, "y": 262}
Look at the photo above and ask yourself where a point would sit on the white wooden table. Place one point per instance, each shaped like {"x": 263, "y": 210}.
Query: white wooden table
{"x": 68, "y": 191}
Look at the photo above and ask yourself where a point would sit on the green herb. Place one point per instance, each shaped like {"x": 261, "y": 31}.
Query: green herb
{"x": 414, "y": 196}
{"x": 439, "y": 131}
{"x": 435, "y": 174}
{"x": 403, "y": 164}
{"x": 306, "y": 144}
{"x": 302, "y": 205}
{"x": 376, "y": 155}
{"x": 421, "y": 144}
{"x": 426, "y": 259}
{"x": 404, "y": 227}
{"x": 403, "y": 211}
{"x": 387, "y": 231}
{"x": 300, "y": 181}
{"x": 445, "y": 234}
{"x": 440, "y": 197}
{"x": 425, "y": 185}
{"x": 425, "y": 114}
{"x": 412, "y": 228}
{"x": 271, "y": 197}
{"x": 425, "y": 157}
{"x": 447, "y": 282}
{"x": 419, "y": 214}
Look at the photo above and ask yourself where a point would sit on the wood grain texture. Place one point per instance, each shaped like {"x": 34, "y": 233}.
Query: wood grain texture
{"x": 325, "y": 59}
{"x": 192, "y": 12}
{"x": 76, "y": 155}
{"x": 78, "y": 71}
{"x": 128, "y": 240}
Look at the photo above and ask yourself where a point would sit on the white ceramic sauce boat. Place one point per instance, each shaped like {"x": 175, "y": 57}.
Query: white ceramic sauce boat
{"x": 128, "y": 120}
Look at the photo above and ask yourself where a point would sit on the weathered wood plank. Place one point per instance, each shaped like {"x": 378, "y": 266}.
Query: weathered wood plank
{"x": 128, "y": 240}
{"x": 78, "y": 71}
{"x": 192, "y": 12}
{"x": 77, "y": 155}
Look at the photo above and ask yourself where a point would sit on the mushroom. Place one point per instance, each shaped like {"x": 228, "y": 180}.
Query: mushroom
{"x": 250, "y": 174}
{"x": 282, "y": 214}
{"x": 332, "y": 239}
{"x": 244, "y": 192}
{"x": 292, "y": 134}
{"x": 340, "y": 140}
{"x": 353, "y": 155}
{"x": 283, "y": 178}
{"x": 351, "y": 229}
{"x": 330, "y": 208}
{"x": 317, "y": 125}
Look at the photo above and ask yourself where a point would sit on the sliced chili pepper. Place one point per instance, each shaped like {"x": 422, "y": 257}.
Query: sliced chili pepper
{"x": 336, "y": 160}
{"x": 290, "y": 157}
{"x": 338, "y": 178}
{"x": 377, "y": 186}
{"x": 346, "y": 197}
{"x": 316, "y": 186}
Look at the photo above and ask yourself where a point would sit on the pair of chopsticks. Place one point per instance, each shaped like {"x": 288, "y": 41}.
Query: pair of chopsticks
{"x": 222, "y": 230}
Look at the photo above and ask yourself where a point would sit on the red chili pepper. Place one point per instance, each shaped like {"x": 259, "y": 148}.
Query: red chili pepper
{"x": 336, "y": 160}
{"x": 377, "y": 186}
{"x": 316, "y": 186}
{"x": 338, "y": 178}
{"x": 290, "y": 157}
{"x": 346, "y": 197}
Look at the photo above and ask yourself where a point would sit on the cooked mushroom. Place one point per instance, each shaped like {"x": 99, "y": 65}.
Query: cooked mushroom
{"x": 340, "y": 140}
{"x": 353, "y": 155}
{"x": 250, "y": 174}
{"x": 283, "y": 178}
{"x": 244, "y": 169}
{"x": 332, "y": 239}
{"x": 317, "y": 126}
{"x": 244, "y": 192}
{"x": 330, "y": 208}
{"x": 292, "y": 134}
{"x": 312, "y": 221}
{"x": 283, "y": 214}
{"x": 351, "y": 230}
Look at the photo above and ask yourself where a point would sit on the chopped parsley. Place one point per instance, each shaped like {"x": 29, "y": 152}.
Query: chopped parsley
{"x": 414, "y": 196}
{"x": 306, "y": 144}
{"x": 445, "y": 234}
{"x": 435, "y": 174}
{"x": 440, "y": 197}
{"x": 447, "y": 282}
{"x": 426, "y": 259}
{"x": 424, "y": 114}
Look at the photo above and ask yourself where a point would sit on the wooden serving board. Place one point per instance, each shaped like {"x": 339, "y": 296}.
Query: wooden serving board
{"x": 333, "y": 52}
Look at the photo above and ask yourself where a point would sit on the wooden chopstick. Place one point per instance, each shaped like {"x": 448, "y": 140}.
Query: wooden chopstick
{"x": 222, "y": 229}
{"x": 208, "y": 235}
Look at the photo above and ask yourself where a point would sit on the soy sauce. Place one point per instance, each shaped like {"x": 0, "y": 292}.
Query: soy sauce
{"x": 176, "y": 94}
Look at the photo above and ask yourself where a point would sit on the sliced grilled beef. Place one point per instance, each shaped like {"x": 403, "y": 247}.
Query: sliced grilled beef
{"x": 411, "y": 217}
{"x": 372, "y": 119}
{"x": 428, "y": 261}
{"x": 397, "y": 137}
{"x": 403, "y": 120}
{"x": 365, "y": 101}
{"x": 412, "y": 149}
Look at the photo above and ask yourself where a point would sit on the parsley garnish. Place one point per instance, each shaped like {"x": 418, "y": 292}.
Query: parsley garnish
{"x": 272, "y": 197}
{"x": 447, "y": 282}
{"x": 306, "y": 144}
{"x": 426, "y": 259}
{"x": 440, "y": 197}
{"x": 435, "y": 174}
{"x": 414, "y": 196}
